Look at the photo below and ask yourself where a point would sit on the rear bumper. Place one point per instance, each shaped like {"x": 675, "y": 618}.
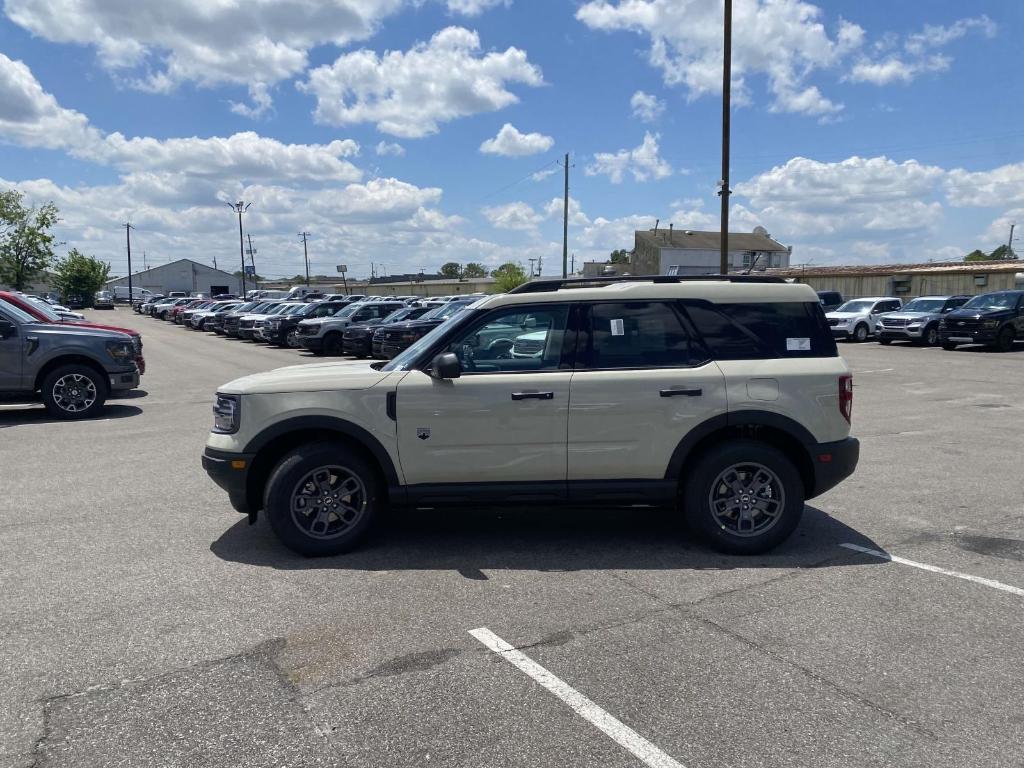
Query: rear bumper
{"x": 832, "y": 463}
{"x": 230, "y": 471}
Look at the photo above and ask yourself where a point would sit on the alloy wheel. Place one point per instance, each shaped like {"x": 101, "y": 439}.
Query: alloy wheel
{"x": 747, "y": 499}
{"x": 328, "y": 501}
{"x": 74, "y": 393}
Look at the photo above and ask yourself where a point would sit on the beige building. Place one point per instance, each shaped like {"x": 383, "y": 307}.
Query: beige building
{"x": 909, "y": 280}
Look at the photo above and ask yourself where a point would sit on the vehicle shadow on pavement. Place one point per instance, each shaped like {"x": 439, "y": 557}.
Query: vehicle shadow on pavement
{"x": 18, "y": 416}
{"x": 131, "y": 394}
{"x": 537, "y": 539}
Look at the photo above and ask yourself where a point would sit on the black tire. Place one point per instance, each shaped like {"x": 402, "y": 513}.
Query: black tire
{"x": 930, "y": 335}
{"x": 704, "y": 481}
{"x": 74, "y": 392}
{"x": 1004, "y": 341}
{"x": 948, "y": 346}
{"x": 290, "y": 481}
{"x": 163, "y": 315}
{"x": 860, "y": 333}
{"x": 334, "y": 344}
{"x": 885, "y": 342}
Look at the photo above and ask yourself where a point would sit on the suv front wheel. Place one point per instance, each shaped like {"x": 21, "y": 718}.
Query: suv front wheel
{"x": 743, "y": 497}
{"x": 321, "y": 499}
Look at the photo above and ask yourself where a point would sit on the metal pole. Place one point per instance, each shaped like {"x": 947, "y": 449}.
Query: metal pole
{"x": 241, "y": 247}
{"x": 723, "y": 265}
{"x": 1009, "y": 245}
{"x": 305, "y": 254}
{"x": 131, "y": 298}
{"x": 565, "y": 220}
{"x": 252, "y": 260}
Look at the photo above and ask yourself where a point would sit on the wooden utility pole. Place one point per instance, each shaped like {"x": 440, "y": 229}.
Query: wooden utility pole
{"x": 723, "y": 265}
{"x": 305, "y": 254}
{"x": 128, "y": 228}
{"x": 252, "y": 261}
{"x": 565, "y": 219}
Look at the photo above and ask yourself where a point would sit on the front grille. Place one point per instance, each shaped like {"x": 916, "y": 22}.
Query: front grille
{"x": 895, "y": 322}
{"x": 232, "y": 322}
{"x": 965, "y": 325}
{"x": 246, "y": 323}
{"x": 308, "y": 330}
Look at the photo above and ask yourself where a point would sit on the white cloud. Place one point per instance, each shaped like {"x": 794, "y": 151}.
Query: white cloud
{"x": 158, "y": 45}
{"x": 262, "y": 102}
{"x": 474, "y": 7}
{"x": 646, "y": 106}
{"x": 511, "y": 143}
{"x": 390, "y": 90}
{"x": 517, "y": 216}
{"x": 686, "y": 45}
{"x": 994, "y": 188}
{"x": 31, "y": 117}
{"x": 642, "y": 162}
{"x": 541, "y": 175}
{"x": 390, "y": 148}
{"x": 916, "y": 56}
{"x": 555, "y": 207}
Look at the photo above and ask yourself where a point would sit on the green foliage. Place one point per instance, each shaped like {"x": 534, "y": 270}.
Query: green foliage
{"x": 1002, "y": 253}
{"x": 451, "y": 270}
{"x": 473, "y": 269}
{"x": 976, "y": 255}
{"x": 26, "y": 243}
{"x": 508, "y": 276}
{"x": 80, "y": 275}
{"x": 619, "y": 256}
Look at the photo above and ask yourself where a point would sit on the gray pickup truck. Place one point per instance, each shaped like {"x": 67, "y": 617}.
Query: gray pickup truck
{"x": 72, "y": 369}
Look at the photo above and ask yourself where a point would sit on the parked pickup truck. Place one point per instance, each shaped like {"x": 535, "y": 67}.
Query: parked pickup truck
{"x": 72, "y": 369}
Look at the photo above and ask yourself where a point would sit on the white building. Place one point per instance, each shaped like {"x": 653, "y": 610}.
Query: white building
{"x": 182, "y": 275}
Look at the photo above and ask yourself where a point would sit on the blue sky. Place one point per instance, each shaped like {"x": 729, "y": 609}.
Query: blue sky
{"x": 413, "y": 133}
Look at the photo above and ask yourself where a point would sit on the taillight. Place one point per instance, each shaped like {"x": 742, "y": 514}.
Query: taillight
{"x": 846, "y": 396}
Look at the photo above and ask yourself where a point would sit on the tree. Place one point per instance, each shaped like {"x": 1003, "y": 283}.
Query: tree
{"x": 249, "y": 276}
{"x": 26, "y": 243}
{"x": 473, "y": 269}
{"x": 508, "y": 276}
{"x": 80, "y": 275}
{"x": 451, "y": 270}
{"x": 1002, "y": 253}
{"x": 976, "y": 255}
{"x": 620, "y": 256}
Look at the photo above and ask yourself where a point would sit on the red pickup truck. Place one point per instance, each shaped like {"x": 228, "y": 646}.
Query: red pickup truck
{"x": 44, "y": 315}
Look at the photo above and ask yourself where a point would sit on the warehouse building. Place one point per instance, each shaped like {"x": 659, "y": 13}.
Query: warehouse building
{"x": 909, "y": 280}
{"x": 182, "y": 275}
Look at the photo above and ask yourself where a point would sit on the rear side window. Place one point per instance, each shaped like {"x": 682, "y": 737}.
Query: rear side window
{"x": 638, "y": 334}
{"x": 762, "y": 331}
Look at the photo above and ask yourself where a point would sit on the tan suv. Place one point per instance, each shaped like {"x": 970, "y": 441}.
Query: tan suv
{"x": 724, "y": 397}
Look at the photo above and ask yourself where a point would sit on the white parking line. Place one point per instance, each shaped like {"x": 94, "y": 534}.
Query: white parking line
{"x": 580, "y": 704}
{"x": 936, "y": 569}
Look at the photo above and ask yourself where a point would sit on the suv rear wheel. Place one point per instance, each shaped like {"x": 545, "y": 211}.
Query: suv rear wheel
{"x": 1004, "y": 341}
{"x": 321, "y": 499}
{"x": 333, "y": 344}
{"x": 74, "y": 392}
{"x": 743, "y": 497}
{"x": 930, "y": 337}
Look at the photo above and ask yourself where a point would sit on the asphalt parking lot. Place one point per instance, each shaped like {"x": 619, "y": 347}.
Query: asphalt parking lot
{"x": 144, "y": 623}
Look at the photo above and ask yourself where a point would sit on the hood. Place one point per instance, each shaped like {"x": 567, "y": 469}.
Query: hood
{"x": 306, "y": 378}
{"x": 98, "y": 326}
{"x": 68, "y": 329}
{"x": 844, "y": 315}
{"x": 414, "y": 324}
{"x": 976, "y": 314}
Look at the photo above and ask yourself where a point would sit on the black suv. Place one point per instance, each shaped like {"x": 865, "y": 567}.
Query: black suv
{"x": 358, "y": 339}
{"x": 995, "y": 319}
{"x": 392, "y": 339}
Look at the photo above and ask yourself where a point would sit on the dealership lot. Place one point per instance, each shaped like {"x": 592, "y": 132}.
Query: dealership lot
{"x": 150, "y": 625}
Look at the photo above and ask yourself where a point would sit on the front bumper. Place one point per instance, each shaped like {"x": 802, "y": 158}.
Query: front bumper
{"x": 832, "y": 463}
{"x": 841, "y": 331}
{"x": 312, "y": 343}
{"x": 121, "y": 381}
{"x": 230, "y": 471}
{"x": 358, "y": 346}
{"x": 972, "y": 336}
{"x": 390, "y": 349}
{"x": 900, "y": 333}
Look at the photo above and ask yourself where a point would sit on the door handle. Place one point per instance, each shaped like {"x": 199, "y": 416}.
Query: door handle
{"x": 533, "y": 395}
{"x": 684, "y": 392}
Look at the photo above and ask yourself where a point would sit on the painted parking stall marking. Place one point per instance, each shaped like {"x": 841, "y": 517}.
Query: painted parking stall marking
{"x": 580, "y": 704}
{"x": 936, "y": 569}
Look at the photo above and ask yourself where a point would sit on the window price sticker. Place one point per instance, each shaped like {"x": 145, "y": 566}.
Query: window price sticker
{"x": 619, "y": 328}
{"x": 798, "y": 345}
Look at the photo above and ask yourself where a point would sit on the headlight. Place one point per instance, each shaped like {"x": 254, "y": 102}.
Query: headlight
{"x": 121, "y": 351}
{"x": 991, "y": 323}
{"x": 227, "y": 410}
{"x": 915, "y": 324}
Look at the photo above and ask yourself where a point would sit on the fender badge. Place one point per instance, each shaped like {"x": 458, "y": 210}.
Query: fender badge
{"x": 423, "y": 433}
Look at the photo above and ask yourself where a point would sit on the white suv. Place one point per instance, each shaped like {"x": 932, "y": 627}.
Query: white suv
{"x": 725, "y": 397}
{"x": 857, "y": 319}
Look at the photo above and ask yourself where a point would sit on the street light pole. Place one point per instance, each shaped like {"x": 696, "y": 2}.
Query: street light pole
{"x": 241, "y": 207}
{"x": 723, "y": 265}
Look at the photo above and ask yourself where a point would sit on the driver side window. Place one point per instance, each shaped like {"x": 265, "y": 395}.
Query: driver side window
{"x": 513, "y": 340}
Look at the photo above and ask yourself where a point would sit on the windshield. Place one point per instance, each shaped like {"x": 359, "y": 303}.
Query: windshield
{"x": 44, "y": 309}
{"x": 405, "y": 359}
{"x": 348, "y": 311}
{"x": 856, "y": 306}
{"x": 12, "y": 311}
{"x": 925, "y": 305}
{"x": 451, "y": 309}
{"x": 992, "y": 301}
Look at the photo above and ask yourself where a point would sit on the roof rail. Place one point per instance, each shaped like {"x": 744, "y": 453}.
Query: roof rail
{"x": 554, "y": 284}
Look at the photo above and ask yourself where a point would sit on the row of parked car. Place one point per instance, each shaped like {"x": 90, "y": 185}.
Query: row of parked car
{"x": 358, "y": 326}
{"x": 995, "y": 319}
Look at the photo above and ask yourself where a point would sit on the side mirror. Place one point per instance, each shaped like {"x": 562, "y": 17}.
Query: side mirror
{"x": 446, "y": 366}
{"x": 7, "y": 329}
